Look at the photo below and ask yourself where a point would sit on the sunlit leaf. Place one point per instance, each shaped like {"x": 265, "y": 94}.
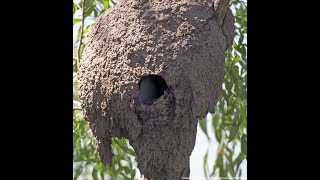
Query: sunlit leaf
{"x": 105, "y": 4}
{"x": 77, "y": 15}
{"x": 131, "y": 152}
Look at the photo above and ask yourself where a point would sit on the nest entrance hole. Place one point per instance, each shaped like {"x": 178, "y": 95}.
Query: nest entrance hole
{"x": 151, "y": 87}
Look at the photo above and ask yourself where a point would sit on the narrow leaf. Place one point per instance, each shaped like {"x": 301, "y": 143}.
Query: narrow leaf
{"x": 95, "y": 173}
{"x": 205, "y": 164}
{"x": 106, "y": 4}
{"x": 244, "y": 144}
{"x": 203, "y": 125}
{"x": 234, "y": 131}
{"x": 78, "y": 172}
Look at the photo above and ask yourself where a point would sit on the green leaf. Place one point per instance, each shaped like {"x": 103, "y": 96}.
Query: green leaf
{"x": 76, "y": 21}
{"x": 95, "y": 173}
{"x": 125, "y": 176}
{"x": 222, "y": 171}
{"x": 87, "y": 3}
{"x": 215, "y": 120}
{"x": 106, "y": 4}
{"x": 218, "y": 164}
{"x": 205, "y": 164}
{"x": 244, "y": 144}
{"x": 108, "y": 170}
{"x": 236, "y": 59}
{"x": 216, "y": 127}
{"x": 242, "y": 13}
{"x": 228, "y": 85}
{"x": 231, "y": 170}
{"x": 241, "y": 38}
{"x": 133, "y": 173}
{"x": 238, "y": 161}
{"x": 230, "y": 165}
{"x": 203, "y": 125}
{"x": 242, "y": 50}
{"x": 235, "y": 72}
{"x": 89, "y": 10}
{"x": 218, "y": 135}
{"x": 228, "y": 122}
{"x": 221, "y": 105}
{"x": 234, "y": 131}
{"x": 78, "y": 172}
{"x": 215, "y": 167}
{"x": 131, "y": 152}
{"x": 243, "y": 115}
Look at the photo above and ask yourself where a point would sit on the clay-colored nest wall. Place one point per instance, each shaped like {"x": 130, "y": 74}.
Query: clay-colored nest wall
{"x": 181, "y": 43}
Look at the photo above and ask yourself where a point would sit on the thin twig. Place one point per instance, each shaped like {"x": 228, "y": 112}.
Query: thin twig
{"x": 81, "y": 34}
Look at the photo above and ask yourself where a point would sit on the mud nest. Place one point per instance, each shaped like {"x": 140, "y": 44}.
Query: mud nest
{"x": 149, "y": 71}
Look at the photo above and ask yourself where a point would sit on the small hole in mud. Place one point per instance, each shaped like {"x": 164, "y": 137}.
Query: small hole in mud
{"x": 151, "y": 87}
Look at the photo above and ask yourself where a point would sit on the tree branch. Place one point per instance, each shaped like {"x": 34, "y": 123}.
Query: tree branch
{"x": 81, "y": 34}
{"x": 220, "y": 7}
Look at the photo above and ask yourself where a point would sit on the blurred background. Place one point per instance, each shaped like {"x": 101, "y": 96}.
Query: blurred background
{"x": 221, "y": 143}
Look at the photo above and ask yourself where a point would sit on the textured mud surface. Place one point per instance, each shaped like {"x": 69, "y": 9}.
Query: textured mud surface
{"x": 179, "y": 41}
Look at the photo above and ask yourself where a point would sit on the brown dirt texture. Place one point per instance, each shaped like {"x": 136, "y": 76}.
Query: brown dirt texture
{"x": 179, "y": 41}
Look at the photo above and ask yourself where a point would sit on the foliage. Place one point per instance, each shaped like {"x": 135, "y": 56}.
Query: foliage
{"x": 229, "y": 122}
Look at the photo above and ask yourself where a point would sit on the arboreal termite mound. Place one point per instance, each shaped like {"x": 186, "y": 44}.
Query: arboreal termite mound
{"x": 149, "y": 71}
